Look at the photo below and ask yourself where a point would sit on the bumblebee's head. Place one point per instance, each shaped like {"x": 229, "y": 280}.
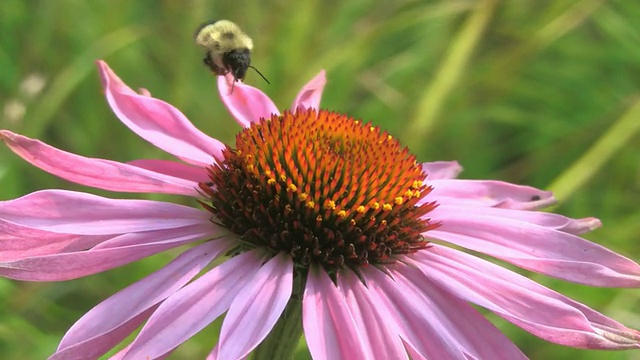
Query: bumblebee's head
{"x": 237, "y": 62}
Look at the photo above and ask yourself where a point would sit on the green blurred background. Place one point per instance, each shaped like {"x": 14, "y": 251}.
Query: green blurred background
{"x": 544, "y": 93}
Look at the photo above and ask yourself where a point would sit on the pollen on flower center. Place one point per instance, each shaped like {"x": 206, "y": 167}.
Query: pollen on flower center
{"x": 322, "y": 187}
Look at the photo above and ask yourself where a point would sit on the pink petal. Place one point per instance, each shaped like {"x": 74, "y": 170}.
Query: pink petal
{"x": 97, "y": 173}
{"x": 545, "y": 219}
{"x": 99, "y": 345}
{"x": 72, "y": 265}
{"x": 100, "y": 329}
{"x": 230, "y": 80}
{"x": 257, "y": 308}
{"x": 536, "y": 309}
{"x": 213, "y": 355}
{"x": 194, "y": 306}
{"x": 329, "y": 327}
{"x": 372, "y": 324}
{"x": 17, "y": 242}
{"x": 414, "y": 353}
{"x": 418, "y": 324}
{"x": 581, "y": 226}
{"x": 457, "y": 319}
{"x": 246, "y": 103}
{"x": 534, "y": 247}
{"x": 310, "y": 95}
{"x": 158, "y": 122}
{"x": 120, "y": 355}
{"x": 439, "y": 170}
{"x": 488, "y": 194}
{"x": 175, "y": 169}
{"x": 85, "y": 214}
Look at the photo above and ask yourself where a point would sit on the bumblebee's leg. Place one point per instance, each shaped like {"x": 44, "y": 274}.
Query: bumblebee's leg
{"x": 208, "y": 61}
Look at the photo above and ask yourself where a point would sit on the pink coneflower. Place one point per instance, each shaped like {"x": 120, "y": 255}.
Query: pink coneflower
{"x": 329, "y": 227}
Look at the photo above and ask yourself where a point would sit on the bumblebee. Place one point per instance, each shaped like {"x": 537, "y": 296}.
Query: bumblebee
{"x": 228, "y": 49}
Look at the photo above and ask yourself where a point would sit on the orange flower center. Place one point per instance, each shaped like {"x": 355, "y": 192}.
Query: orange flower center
{"x": 322, "y": 187}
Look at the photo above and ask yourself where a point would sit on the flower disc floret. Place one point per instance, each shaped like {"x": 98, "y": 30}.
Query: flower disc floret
{"x": 323, "y": 188}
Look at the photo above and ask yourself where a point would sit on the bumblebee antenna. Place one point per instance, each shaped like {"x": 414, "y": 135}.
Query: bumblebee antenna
{"x": 259, "y": 73}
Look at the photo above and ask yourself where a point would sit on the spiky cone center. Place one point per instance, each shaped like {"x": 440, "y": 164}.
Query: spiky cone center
{"x": 323, "y": 188}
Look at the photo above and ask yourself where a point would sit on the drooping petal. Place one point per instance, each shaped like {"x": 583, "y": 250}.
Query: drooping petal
{"x": 533, "y": 307}
{"x": 310, "y": 95}
{"x": 372, "y": 323}
{"x": 438, "y": 170}
{"x": 245, "y": 103}
{"x": 120, "y": 354}
{"x": 257, "y": 308}
{"x": 487, "y": 193}
{"x": 534, "y": 247}
{"x": 110, "y": 254}
{"x": 329, "y": 327}
{"x": 97, "y": 173}
{"x": 183, "y": 171}
{"x": 99, "y": 330}
{"x": 18, "y": 242}
{"x": 213, "y": 355}
{"x": 581, "y": 226}
{"x": 457, "y": 319}
{"x": 194, "y": 306}
{"x": 85, "y": 214}
{"x": 159, "y": 122}
{"x": 417, "y": 323}
{"x": 548, "y": 220}
{"x": 99, "y": 345}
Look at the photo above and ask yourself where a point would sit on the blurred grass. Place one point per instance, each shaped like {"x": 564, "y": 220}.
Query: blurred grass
{"x": 543, "y": 93}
